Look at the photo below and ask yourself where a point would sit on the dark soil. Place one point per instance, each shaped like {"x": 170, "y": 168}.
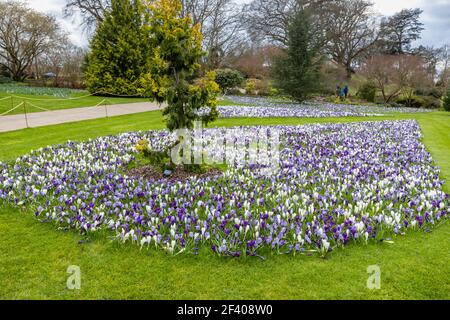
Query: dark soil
{"x": 179, "y": 174}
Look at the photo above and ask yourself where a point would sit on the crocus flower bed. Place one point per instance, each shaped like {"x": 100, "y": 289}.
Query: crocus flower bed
{"x": 38, "y": 91}
{"x": 294, "y": 111}
{"x": 262, "y": 107}
{"x": 336, "y": 184}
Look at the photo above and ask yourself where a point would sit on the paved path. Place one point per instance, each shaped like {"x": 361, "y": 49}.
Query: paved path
{"x": 39, "y": 119}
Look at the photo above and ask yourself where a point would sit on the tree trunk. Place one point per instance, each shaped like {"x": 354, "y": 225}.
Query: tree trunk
{"x": 349, "y": 72}
{"x": 16, "y": 77}
{"x": 36, "y": 76}
{"x": 384, "y": 95}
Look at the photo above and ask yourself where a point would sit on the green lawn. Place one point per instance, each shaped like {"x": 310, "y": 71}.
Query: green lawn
{"x": 34, "y": 256}
{"x": 53, "y": 103}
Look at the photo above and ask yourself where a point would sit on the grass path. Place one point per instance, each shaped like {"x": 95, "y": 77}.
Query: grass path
{"x": 34, "y": 257}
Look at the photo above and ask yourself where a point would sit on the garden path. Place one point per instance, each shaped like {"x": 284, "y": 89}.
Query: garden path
{"x": 39, "y": 119}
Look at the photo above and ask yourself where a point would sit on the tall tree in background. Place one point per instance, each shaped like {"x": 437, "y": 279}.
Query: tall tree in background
{"x": 351, "y": 31}
{"x": 92, "y": 11}
{"x": 400, "y": 30}
{"x": 431, "y": 57}
{"x": 220, "y": 23}
{"x": 222, "y": 32}
{"x": 297, "y": 71}
{"x": 269, "y": 20}
{"x": 25, "y": 35}
{"x": 120, "y": 51}
{"x": 444, "y": 60}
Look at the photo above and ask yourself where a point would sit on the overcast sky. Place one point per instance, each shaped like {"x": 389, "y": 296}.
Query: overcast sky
{"x": 435, "y": 17}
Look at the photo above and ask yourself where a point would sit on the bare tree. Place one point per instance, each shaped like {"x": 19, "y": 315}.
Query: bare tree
{"x": 221, "y": 25}
{"x": 72, "y": 68}
{"x": 222, "y": 32}
{"x": 65, "y": 61}
{"x": 351, "y": 31}
{"x": 198, "y": 10}
{"x": 444, "y": 56}
{"x": 413, "y": 74}
{"x": 92, "y": 11}
{"x": 52, "y": 60}
{"x": 379, "y": 69}
{"x": 431, "y": 57}
{"x": 269, "y": 20}
{"x": 255, "y": 62}
{"x": 24, "y": 35}
{"x": 444, "y": 66}
{"x": 397, "y": 74}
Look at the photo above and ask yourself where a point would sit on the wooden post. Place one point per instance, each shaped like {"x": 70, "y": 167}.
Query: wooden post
{"x": 106, "y": 109}
{"x": 25, "y": 112}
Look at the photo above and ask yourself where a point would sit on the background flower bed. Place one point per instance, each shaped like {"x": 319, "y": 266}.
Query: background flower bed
{"x": 337, "y": 184}
{"x": 38, "y": 91}
{"x": 265, "y": 108}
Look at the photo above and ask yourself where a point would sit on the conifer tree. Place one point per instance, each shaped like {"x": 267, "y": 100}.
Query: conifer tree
{"x": 120, "y": 51}
{"x": 297, "y": 71}
{"x": 178, "y": 43}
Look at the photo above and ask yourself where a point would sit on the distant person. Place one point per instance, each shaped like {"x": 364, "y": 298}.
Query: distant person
{"x": 342, "y": 94}
{"x": 338, "y": 91}
{"x": 346, "y": 92}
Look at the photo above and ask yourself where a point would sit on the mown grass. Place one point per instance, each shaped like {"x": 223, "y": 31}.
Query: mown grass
{"x": 34, "y": 256}
{"x": 33, "y": 103}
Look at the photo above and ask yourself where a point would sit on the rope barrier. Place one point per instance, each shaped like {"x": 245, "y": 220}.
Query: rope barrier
{"x": 41, "y": 108}
{"x": 102, "y": 102}
{"x": 11, "y": 110}
{"x": 20, "y": 104}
